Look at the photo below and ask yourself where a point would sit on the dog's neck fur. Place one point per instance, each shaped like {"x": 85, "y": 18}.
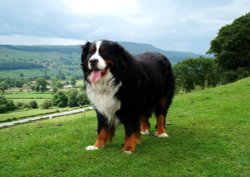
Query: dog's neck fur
{"x": 102, "y": 96}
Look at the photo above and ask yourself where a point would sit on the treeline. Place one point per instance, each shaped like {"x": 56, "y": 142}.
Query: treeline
{"x": 200, "y": 73}
{"x": 69, "y": 98}
{"x": 196, "y": 72}
{"x": 19, "y": 65}
{"x": 231, "y": 49}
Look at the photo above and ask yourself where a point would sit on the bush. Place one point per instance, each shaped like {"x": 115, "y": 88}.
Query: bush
{"x": 6, "y": 105}
{"x": 20, "y": 105}
{"x": 61, "y": 105}
{"x": 60, "y": 99}
{"x": 3, "y": 108}
{"x": 46, "y": 104}
{"x": 33, "y": 104}
{"x": 72, "y": 98}
{"x": 10, "y": 105}
{"x": 82, "y": 99}
{"x": 228, "y": 77}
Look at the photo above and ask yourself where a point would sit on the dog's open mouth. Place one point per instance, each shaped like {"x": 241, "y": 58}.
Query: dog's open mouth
{"x": 95, "y": 75}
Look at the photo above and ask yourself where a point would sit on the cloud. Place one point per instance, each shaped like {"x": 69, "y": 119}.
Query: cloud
{"x": 169, "y": 24}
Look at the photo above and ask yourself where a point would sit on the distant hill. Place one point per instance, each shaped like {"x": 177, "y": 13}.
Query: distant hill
{"x": 134, "y": 48}
{"x": 53, "y": 60}
{"x": 173, "y": 56}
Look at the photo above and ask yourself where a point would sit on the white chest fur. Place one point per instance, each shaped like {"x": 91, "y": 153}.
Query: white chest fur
{"x": 102, "y": 96}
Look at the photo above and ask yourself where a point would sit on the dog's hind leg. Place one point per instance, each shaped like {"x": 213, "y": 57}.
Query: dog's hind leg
{"x": 144, "y": 127}
{"x": 161, "y": 112}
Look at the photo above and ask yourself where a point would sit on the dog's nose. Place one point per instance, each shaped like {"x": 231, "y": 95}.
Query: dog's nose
{"x": 93, "y": 62}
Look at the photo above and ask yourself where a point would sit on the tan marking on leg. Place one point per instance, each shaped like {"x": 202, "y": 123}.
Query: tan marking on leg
{"x": 103, "y": 136}
{"x": 130, "y": 142}
{"x": 144, "y": 126}
{"x": 160, "y": 130}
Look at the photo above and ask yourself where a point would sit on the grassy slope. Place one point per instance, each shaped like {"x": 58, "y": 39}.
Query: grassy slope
{"x": 208, "y": 137}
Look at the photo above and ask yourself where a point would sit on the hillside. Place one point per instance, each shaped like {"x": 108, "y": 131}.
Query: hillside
{"x": 174, "y": 56}
{"x": 209, "y": 135}
{"x": 51, "y": 60}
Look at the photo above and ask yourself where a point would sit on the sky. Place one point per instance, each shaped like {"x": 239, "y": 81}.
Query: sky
{"x": 179, "y": 25}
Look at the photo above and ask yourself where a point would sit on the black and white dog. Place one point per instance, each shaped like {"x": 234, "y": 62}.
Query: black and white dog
{"x": 126, "y": 89}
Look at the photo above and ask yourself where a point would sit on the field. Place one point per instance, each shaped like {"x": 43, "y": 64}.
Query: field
{"x": 25, "y": 97}
{"x": 209, "y": 136}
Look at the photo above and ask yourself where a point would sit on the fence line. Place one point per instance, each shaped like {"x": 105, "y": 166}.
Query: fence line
{"x": 49, "y": 116}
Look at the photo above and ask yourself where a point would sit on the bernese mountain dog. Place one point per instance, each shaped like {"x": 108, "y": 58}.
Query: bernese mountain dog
{"x": 126, "y": 89}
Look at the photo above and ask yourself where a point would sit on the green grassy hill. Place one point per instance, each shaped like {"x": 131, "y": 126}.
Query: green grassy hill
{"x": 209, "y": 136}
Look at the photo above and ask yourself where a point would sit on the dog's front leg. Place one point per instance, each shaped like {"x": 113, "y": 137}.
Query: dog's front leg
{"x": 105, "y": 133}
{"x": 132, "y": 136}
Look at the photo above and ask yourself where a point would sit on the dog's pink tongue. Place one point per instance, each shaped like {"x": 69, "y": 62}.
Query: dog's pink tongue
{"x": 95, "y": 76}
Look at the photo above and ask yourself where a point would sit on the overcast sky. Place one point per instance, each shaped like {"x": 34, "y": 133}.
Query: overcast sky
{"x": 180, "y": 25}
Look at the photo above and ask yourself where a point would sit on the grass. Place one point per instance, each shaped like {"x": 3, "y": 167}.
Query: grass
{"x": 28, "y": 73}
{"x": 21, "y": 95}
{"x": 25, "y": 113}
{"x": 209, "y": 136}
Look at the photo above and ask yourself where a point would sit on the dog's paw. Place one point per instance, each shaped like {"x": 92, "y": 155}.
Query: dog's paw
{"x": 128, "y": 152}
{"x": 145, "y": 132}
{"x": 163, "y": 135}
{"x": 91, "y": 148}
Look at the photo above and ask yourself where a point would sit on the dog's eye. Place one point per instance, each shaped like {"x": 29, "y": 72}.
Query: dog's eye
{"x": 101, "y": 50}
{"x": 92, "y": 50}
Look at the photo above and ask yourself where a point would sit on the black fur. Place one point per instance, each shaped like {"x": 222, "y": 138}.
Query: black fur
{"x": 147, "y": 79}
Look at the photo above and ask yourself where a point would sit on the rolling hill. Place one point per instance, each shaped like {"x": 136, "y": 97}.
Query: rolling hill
{"x": 62, "y": 59}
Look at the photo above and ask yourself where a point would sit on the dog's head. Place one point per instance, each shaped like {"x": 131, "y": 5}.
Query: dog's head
{"x": 99, "y": 58}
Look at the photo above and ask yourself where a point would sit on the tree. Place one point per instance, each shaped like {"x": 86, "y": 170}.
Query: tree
{"x": 55, "y": 85}
{"x": 3, "y": 104}
{"x": 82, "y": 99}
{"x": 195, "y": 72}
{"x": 6, "y": 105}
{"x": 60, "y": 75}
{"x": 10, "y": 105}
{"x": 3, "y": 86}
{"x": 46, "y": 104}
{"x": 41, "y": 85}
{"x": 73, "y": 81}
{"x": 60, "y": 99}
{"x": 72, "y": 98}
{"x": 232, "y": 45}
{"x": 33, "y": 104}
{"x": 19, "y": 83}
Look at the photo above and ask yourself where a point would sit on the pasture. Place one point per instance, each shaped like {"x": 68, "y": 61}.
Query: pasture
{"x": 209, "y": 136}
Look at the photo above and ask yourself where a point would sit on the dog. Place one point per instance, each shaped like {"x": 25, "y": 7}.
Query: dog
{"x": 126, "y": 89}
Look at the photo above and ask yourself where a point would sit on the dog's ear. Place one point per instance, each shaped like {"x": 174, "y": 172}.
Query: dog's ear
{"x": 124, "y": 56}
{"x": 118, "y": 47}
{"x": 85, "y": 50}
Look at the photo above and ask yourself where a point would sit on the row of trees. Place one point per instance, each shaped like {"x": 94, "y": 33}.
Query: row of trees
{"x": 41, "y": 84}
{"x": 70, "y": 98}
{"x": 231, "y": 49}
{"x": 196, "y": 72}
